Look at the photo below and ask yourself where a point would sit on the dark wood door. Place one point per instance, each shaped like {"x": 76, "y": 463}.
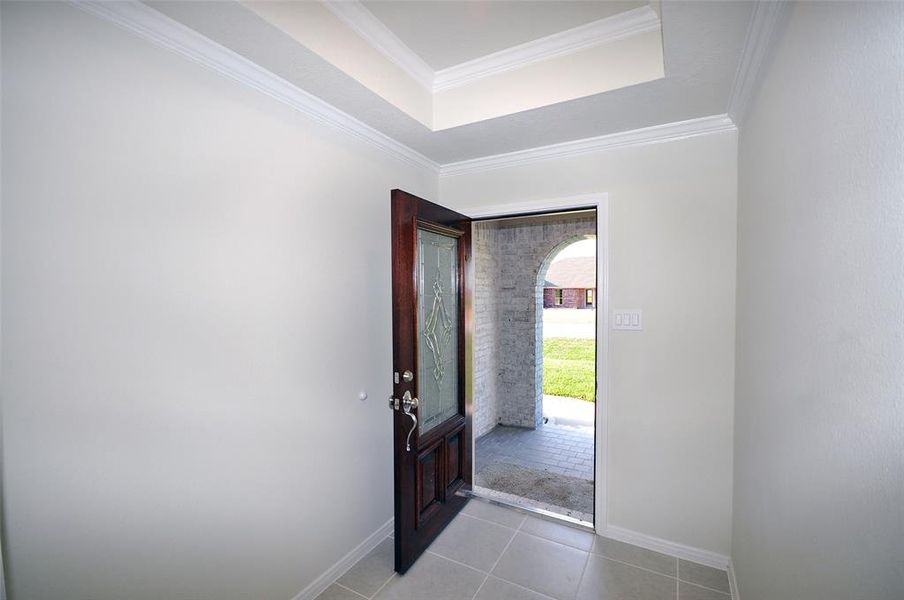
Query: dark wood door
{"x": 432, "y": 327}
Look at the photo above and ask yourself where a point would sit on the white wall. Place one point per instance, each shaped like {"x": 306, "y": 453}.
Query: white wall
{"x": 195, "y": 289}
{"x": 819, "y": 452}
{"x": 672, "y": 254}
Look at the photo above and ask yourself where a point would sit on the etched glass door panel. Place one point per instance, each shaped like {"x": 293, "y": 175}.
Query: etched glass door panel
{"x": 437, "y": 321}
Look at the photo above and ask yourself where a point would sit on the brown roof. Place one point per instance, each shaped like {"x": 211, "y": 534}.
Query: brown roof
{"x": 577, "y": 272}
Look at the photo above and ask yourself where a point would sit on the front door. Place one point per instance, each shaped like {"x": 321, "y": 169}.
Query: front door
{"x": 432, "y": 323}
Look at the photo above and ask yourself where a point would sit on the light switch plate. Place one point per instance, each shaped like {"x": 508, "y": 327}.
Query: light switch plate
{"x": 627, "y": 320}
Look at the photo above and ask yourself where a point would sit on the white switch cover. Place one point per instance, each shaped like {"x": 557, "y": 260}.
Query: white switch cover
{"x": 628, "y": 320}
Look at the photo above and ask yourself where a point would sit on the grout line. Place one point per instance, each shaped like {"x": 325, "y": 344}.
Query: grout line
{"x": 504, "y": 550}
{"x": 503, "y": 553}
{"x": 452, "y": 560}
{"x": 496, "y": 562}
{"x": 521, "y": 587}
{"x": 546, "y": 539}
{"x": 705, "y": 587}
{"x": 583, "y": 572}
{"x": 491, "y": 522}
{"x": 520, "y": 529}
{"x": 480, "y": 587}
{"x": 391, "y": 577}
{"x": 678, "y": 577}
{"x": 549, "y": 539}
{"x": 621, "y": 562}
{"x": 336, "y": 583}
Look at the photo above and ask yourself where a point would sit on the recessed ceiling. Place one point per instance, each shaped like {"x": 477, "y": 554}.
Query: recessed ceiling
{"x": 621, "y": 49}
{"x": 702, "y": 44}
{"x": 448, "y": 33}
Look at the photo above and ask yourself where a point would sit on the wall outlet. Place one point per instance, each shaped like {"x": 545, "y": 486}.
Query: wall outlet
{"x": 627, "y": 320}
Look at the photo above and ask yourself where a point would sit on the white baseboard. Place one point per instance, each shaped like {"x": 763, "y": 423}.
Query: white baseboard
{"x": 345, "y": 563}
{"x": 733, "y": 582}
{"x": 704, "y": 557}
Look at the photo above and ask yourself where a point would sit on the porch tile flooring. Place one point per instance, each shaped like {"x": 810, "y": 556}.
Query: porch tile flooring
{"x": 493, "y": 553}
{"x": 556, "y": 448}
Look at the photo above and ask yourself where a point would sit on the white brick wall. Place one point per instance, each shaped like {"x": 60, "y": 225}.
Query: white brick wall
{"x": 508, "y": 304}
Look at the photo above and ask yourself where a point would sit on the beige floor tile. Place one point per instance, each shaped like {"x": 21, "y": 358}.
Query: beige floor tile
{"x": 434, "y": 578}
{"x": 542, "y": 565}
{"x": 334, "y": 592}
{"x": 496, "y": 589}
{"x": 613, "y": 580}
{"x": 692, "y": 572}
{"x": 496, "y": 514}
{"x": 570, "y": 536}
{"x": 689, "y": 591}
{"x": 473, "y": 542}
{"x": 635, "y": 555}
{"x": 372, "y": 571}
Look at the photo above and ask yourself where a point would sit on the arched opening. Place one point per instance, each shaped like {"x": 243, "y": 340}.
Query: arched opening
{"x": 565, "y": 340}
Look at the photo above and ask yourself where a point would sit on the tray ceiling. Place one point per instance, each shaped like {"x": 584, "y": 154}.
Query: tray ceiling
{"x": 701, "y": 46}
{"x": 444, "y": 34}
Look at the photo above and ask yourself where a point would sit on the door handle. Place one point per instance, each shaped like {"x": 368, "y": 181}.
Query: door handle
{"x": 407, "y": 404}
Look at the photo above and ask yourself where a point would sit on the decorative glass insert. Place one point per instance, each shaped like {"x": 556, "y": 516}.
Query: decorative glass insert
{"x": 437, "y": 319}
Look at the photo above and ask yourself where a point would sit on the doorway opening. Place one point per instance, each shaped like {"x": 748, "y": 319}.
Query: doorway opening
{"x": 534, "y": 362}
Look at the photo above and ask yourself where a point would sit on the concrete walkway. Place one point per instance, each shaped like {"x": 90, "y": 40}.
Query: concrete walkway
{"x": 572, "y": 412}
{"x": 569, "y": 323}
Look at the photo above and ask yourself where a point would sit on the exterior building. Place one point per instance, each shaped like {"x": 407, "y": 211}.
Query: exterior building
{"x": 571, "y": 283}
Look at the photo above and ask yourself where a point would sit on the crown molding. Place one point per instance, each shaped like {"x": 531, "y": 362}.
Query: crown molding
{"x": 147, "y": 23}
{"x": 163, "y": 31}
{"x": 596, "y": 33}
{"x": 638, "y": 137}
{"x": 763, "y": 25}
{"x": 356, "y": 16}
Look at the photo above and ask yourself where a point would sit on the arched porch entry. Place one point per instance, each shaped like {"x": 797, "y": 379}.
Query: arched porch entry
{"x": 512, "y": 258}
{"x": 541, "y": 281}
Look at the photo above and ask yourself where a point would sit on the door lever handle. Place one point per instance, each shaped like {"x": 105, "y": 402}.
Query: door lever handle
{"x": 407, "y": 404}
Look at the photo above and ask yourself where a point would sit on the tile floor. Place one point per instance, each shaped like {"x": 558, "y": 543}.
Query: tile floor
{"x": 556, "y": 448}
{"x": 492, "y": 553}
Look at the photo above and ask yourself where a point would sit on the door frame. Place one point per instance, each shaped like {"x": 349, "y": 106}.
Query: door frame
{"x": 599, "y": 201}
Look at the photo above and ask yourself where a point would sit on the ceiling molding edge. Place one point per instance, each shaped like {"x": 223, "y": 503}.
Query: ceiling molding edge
{"x": 363, "y": 22}
{"x": 597, "y": 33}
{"x": 168, "y": 33}
{"x": 763, "y": 25}
{"x": 638, "y": 137}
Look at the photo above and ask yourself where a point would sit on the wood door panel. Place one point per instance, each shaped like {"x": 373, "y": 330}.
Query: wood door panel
{"x": 439, "y": 462}
{"x": 429, "y": 481}
{"x": 455, "y": 449}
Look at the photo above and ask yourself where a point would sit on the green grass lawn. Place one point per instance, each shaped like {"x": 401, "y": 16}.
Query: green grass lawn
{"x": 569, "y": 368}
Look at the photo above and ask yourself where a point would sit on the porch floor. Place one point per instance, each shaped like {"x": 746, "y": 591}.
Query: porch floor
{"x": 561, "y": 449}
